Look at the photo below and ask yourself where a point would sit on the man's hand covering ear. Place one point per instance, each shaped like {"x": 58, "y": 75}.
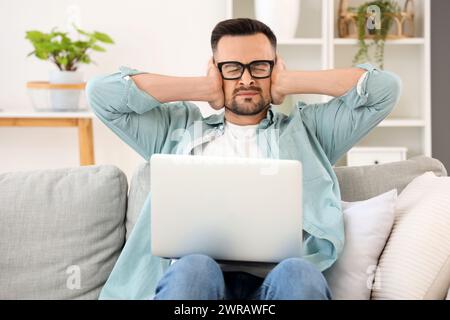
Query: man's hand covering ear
{"x": 276, "y": 91}
{"x": 217, "y": 101}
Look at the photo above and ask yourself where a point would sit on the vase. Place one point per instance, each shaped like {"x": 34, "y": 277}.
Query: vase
{"x": 280, "y": 15}
{"x": 62, "y": 99}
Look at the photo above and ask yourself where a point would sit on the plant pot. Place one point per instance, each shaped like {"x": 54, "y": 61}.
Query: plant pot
{"x": 280, "y": 15}
{"x": 65, "y": 100}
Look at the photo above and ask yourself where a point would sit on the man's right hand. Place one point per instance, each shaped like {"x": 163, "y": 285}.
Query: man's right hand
{"x": 217, "y": 101}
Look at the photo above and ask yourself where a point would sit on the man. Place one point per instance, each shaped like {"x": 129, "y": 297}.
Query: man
{"x": 245, "y": 77}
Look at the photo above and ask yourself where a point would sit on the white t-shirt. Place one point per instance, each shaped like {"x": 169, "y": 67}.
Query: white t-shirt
{"x": 236, "y": 141}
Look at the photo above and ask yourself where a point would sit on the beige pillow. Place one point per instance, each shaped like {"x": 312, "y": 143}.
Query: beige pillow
{"x": 415, "y": 263}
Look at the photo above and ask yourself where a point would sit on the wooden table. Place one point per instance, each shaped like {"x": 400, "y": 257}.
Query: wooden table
{"x": 82, "y": 120}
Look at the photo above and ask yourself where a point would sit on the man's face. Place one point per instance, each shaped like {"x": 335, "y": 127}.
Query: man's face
{"x": 247, "y": 95}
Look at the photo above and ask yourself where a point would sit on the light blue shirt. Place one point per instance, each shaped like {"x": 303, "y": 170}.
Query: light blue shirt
{"x": 315, "y": 134}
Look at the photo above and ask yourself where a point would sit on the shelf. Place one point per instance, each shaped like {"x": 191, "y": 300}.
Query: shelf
{"x": 407, "y": 41}
{"x": 318, "y": 47}
{"x": 45, "y": 85}
{"x": 402, "y": 123}
{"x": 301, "y": 41}
{"x": 50, "y": 114}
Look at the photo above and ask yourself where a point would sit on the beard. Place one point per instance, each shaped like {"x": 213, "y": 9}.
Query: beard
{"x": 247, "y": 107}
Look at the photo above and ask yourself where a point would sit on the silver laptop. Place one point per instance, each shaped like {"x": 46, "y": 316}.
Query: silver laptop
{"x": 238, "y": 209}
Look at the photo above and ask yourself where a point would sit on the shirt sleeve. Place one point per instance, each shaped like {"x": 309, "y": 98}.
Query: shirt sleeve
{"x": 341, "y": 122}
{"x": 140, "y": 120}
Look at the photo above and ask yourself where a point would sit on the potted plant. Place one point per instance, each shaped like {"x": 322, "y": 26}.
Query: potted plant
{"x": 388, "y": 9}
{"x": 66, "y": 54}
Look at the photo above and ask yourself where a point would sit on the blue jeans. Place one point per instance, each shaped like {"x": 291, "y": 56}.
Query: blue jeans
{"x": 199, "y": 277}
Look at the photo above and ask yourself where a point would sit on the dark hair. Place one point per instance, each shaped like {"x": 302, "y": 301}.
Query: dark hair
{"x": 241, "y": 27}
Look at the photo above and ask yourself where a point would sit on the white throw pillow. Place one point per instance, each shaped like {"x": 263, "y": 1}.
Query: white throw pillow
{"x": 416, "y": 261}
{"x": 367, "y": 227}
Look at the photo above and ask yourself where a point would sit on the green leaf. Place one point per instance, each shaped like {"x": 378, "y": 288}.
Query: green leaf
{"x": 62, "y": 61}
{"x": 103, "y": 37}
{"x": 82, "y": 45}
{"x": 34, "y": 35}
{"x": 85, "y": 59}
{"x": 97, "y": 48}
{"x": 42, "y": 54}
{"x": 81, "y": 31}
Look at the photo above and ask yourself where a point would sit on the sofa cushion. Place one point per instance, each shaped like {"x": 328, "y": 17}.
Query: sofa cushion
{"x": 364, "y": 182}
{"x": 61, "y": 231}
{"x": 416, "y": 261}
{"x": 367, "y": 227}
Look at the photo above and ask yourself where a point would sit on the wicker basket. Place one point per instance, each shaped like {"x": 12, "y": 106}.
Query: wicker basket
{"x": 402, "y": 27}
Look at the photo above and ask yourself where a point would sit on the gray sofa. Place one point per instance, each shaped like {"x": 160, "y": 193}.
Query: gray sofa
{"x": 62, "y": 230}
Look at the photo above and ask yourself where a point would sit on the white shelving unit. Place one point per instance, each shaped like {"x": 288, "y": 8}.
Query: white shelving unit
{"x": 317, "y": 47}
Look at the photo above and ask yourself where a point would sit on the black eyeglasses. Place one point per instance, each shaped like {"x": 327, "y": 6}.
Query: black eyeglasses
{"x": 259, "y": 69}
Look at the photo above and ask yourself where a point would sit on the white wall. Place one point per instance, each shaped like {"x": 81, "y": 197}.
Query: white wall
{"x": 169, "y": 37}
